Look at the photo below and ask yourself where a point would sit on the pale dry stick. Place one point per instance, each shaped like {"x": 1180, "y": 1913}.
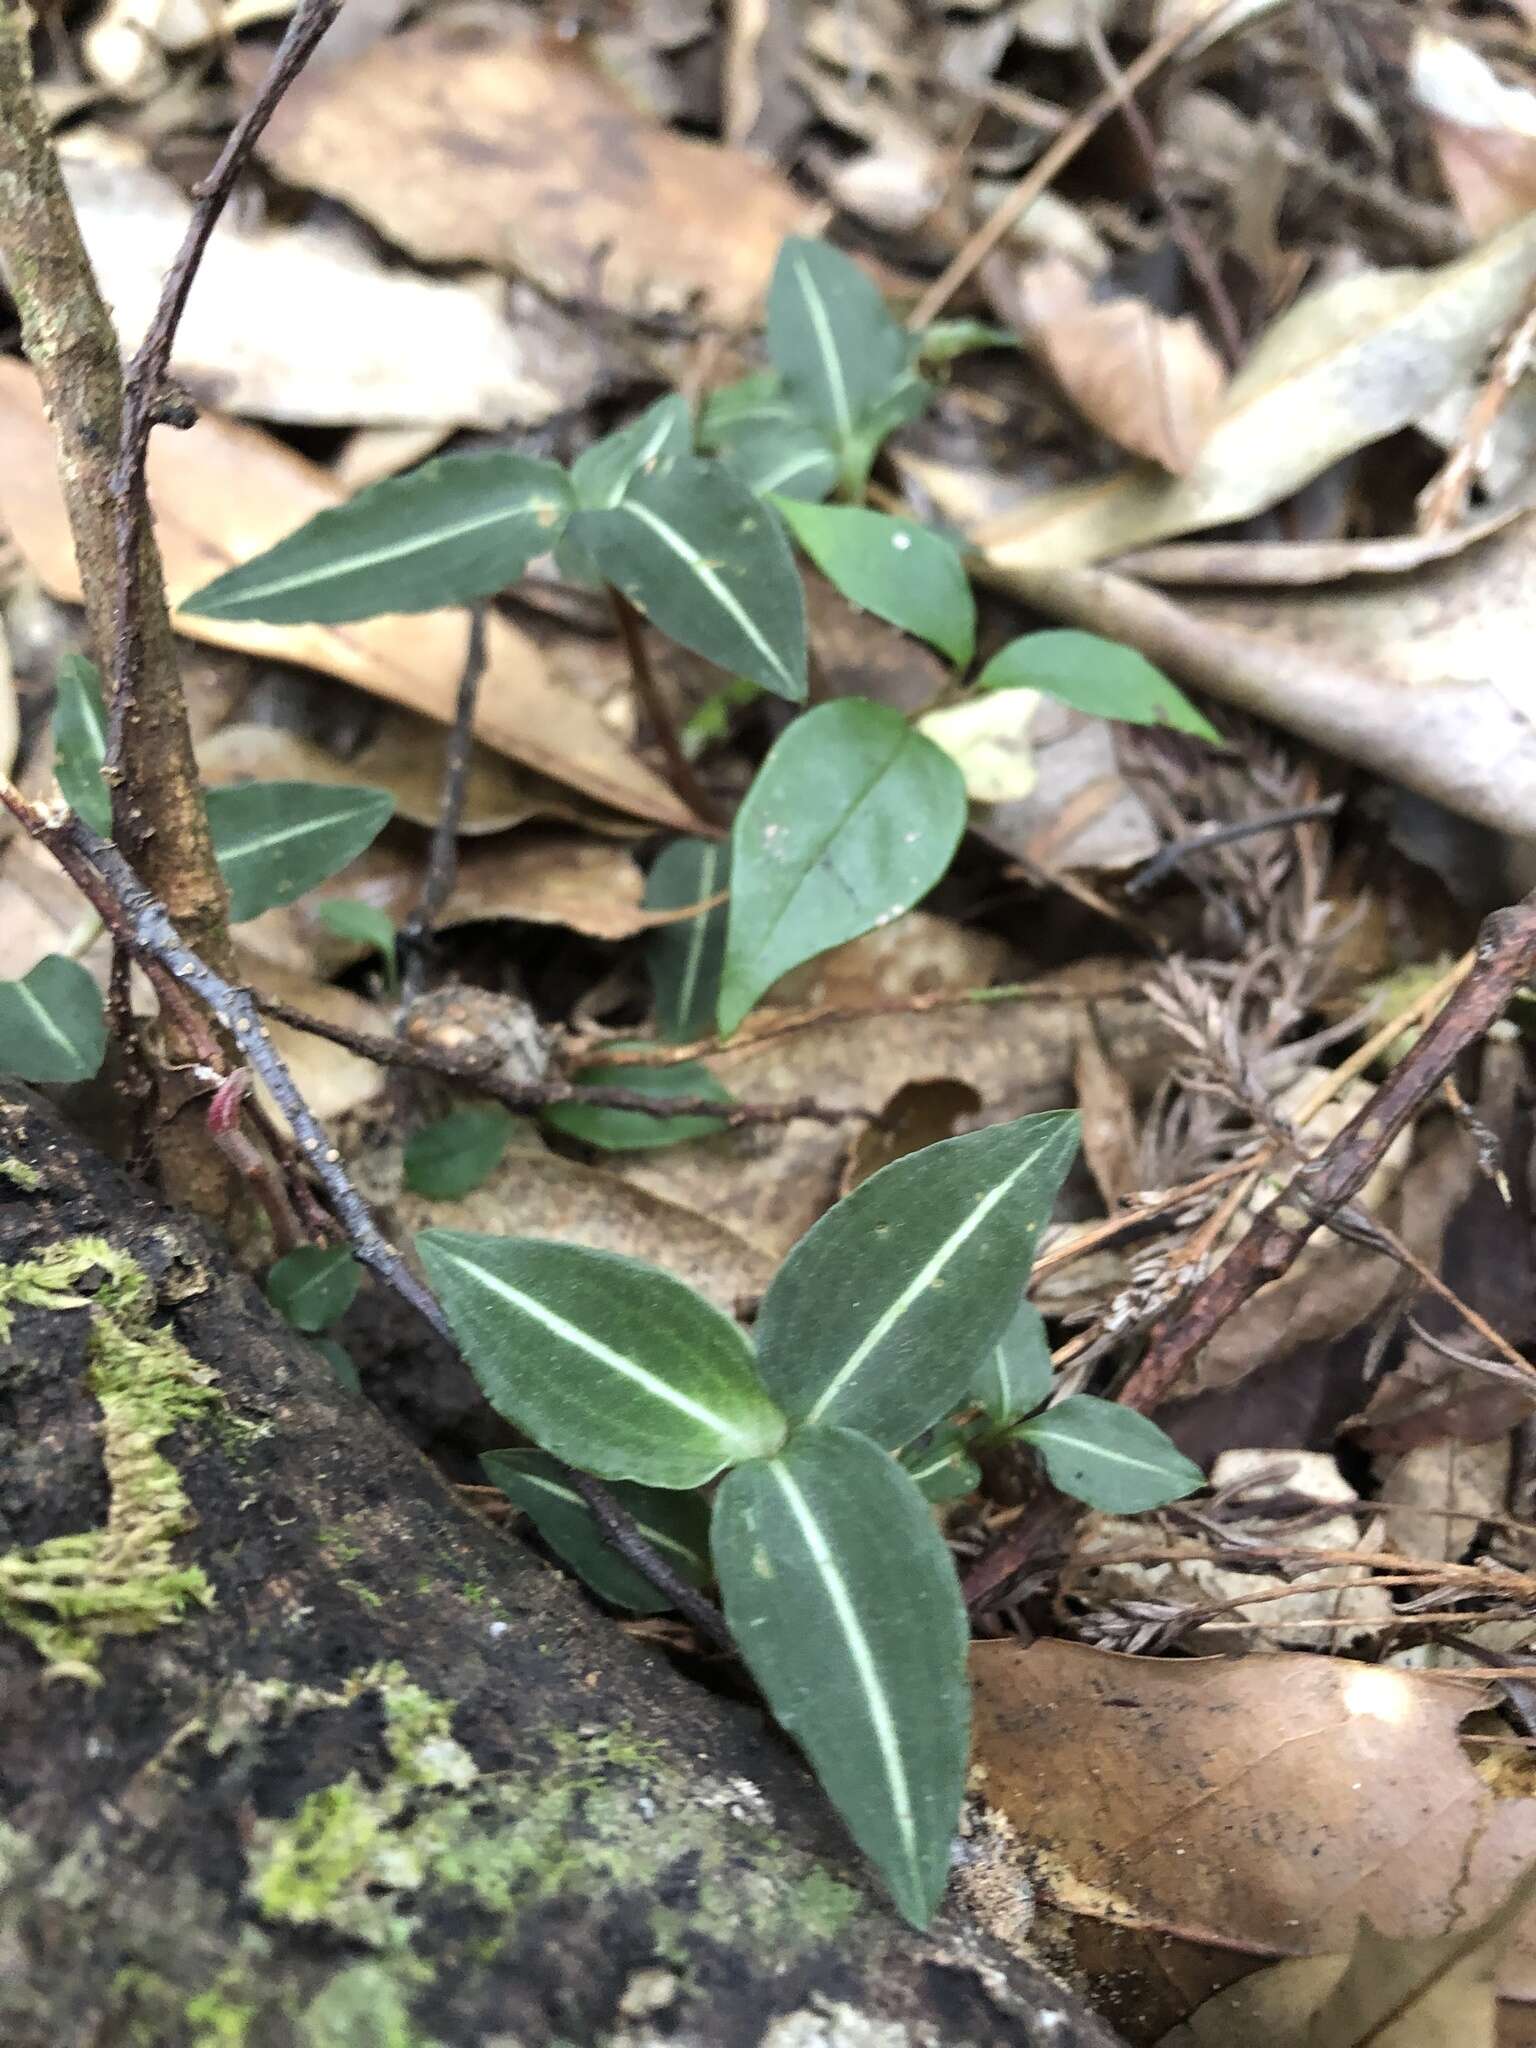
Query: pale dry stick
{"x": 1045, "y": 170}
{"x": 1443, "y": 499}
{"x": 783, "y": 1024}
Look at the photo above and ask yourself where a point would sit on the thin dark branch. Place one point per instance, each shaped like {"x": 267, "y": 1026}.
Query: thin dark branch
{"x": 442, "y": 862}
{"x": 1206, "y": 836}
{"x": 679, "y": 768}
{"x": 624, "y": 1536}
{"x": 483, "y": 1075}
{"x": 147, "y": 398}
{"x": 1504, "y": 960}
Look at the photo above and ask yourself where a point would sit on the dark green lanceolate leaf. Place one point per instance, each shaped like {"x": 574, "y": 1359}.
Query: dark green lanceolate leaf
{"x": 675, "y": 1524}
{"x": 831, "y": 337}
{"x": 684, "y": 959}
{"x": 1109, "y": 1456}
{"x": 1015, "y": 1374}
{"x": 314, "y": 1286}
{"x": 80, "y": 742}
{"x": 879, "y": 1316}
{"x": 447, "y": 1160}
{"x": 363, "y": 925}
{"x": 894, "y": 568}
{"x": 942, "y": 1469}
{"x": 52, "y": 1027}
{"x": 702, "y": 557}
{"x": 852, "y": 818}
{"x": 455, "y": 530}
{"x": 604, "y": 473}
{"x": 339, "y": 1359}
{"x": 744, "y": 407}
{"x": 631, "y": 1130}
{"x": 612, "y": 1365}
{"x": 791, "y": 461}
{"x": 274, "y": 840}
{"x": 1095, "y": 675}
{"x": 842, "y": 1599}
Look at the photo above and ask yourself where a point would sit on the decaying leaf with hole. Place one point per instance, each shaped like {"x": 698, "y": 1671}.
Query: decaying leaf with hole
{"x": 224, "y": 493}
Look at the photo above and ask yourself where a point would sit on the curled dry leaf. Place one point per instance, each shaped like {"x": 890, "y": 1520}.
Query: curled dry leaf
{"x": 1419, "y": 679}
{"x": 405, "y": 756}
{"x": 466, "y": 144}
{"x": 1264, "y": 1803}
{"x": 225, "y": 492}
{"x": 1351, "y": 362}
{"x": 1151, "y": 383}
{"x": 372, "y": 342}
{"x": 1484, "y": 130}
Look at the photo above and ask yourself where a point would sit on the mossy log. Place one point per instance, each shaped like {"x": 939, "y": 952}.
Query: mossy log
{"x": 295, "y": 1753}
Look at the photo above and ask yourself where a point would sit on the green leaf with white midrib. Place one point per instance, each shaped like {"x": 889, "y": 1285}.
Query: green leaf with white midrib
{"x": 683, "y": 959}
{"x": 52, "y": 1025}
{"x": 676, "y": 1525}
{"x": 942, "y": 1470}
{"x": 842, "y": 1599}
{"x": 1102, "y": 677}
{"x": 275, "y": 840}
{"x": 793, "y": 461}
{"x": 851, "y": 819}
{"x": 699, "y": 554}
{"x": 604, "y": 473}
{"x": 314, "y": 1286}
{"x": 454, "y": 531}
{"x": 609, "y": 1364}
{"x": 879, "y": 1316}
{"x": 1015, "y": 1375}
{"x": 1109, "y": 1456}
{"x": 80, "y": 742}
{"x": 831, "y": 337}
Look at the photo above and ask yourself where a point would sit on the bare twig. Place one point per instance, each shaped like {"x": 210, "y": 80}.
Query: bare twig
{"x": 148, "y": 399}
{"x": 1202, "y": 265}
{"x": 1206, "y": 836}
{"x": 442, "y": 862}
{"x": 1042, "y": 173}
{"x": 1443, "y": 499}
{"x": 623, "y": 1535}
{"x": 483, "y": 1075}
{"x": 680, "y": 772}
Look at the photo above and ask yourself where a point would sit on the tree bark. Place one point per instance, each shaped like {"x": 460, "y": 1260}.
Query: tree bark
{"x": 295, "y": 1753}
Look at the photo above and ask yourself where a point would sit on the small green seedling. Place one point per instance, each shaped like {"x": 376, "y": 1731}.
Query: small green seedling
{"x": 823, "y": 1441}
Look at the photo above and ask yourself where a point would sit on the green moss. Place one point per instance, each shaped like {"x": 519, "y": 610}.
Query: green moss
{"x": 69, "y": 1595}
{"x": 362, "y": 2008}
{"x": 598, "y": 1811}
{"x": 218, "y": 2019}
{"x": 20, "y": 1175}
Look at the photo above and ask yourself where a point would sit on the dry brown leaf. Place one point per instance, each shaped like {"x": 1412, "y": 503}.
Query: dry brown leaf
{"x": 1298, "y": 563}
{"x": 1424, "y": 680}
{"x": 466, "y": 144}
{"x": 540, "y": 1194}
{"x": 405, "y": 756}
{"x": 304, "y": 323}
{"x": 224, "y": 492}
{"x": 1258, "y": 1805}
{"x": 10, "y": 714}
{"x": 1110, "y": 1141}
{"x": 1484, "y": 131}
{"x": 539, "y": 877}
{"x": 1153, "y": 384}
{"x": 1349, "y": 363}
{"x": 770, "y": 1183}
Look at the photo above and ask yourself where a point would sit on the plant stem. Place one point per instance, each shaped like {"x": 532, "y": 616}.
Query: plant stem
{"x": 680, "y": 771}
{"x": 623, "y": 1535}
{"x": 443, "y": 860}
